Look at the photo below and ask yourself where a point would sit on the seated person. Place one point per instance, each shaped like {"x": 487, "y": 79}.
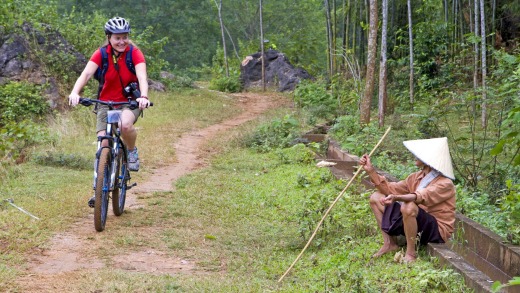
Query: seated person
{"x": 421, "y": 207}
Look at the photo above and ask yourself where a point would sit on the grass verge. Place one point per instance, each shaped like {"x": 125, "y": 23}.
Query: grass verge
{"x": 241, "y": 222}
{"x": 56, "y": 182}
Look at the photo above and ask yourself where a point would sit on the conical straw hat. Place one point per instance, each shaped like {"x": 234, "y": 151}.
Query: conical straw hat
{"x": 434, "y": 152}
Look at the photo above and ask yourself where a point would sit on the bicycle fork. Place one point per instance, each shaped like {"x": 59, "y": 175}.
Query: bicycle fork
{"x": 113, "y": 162}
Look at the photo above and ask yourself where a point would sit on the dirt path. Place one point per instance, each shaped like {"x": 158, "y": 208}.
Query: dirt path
{"x": 70, "y": 253}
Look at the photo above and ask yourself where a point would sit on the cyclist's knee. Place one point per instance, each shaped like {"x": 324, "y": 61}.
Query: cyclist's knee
{"x": 127, "y": 127}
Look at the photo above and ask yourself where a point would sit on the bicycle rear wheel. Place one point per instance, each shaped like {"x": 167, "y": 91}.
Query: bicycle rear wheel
{"x": 120, "y": 185}
{"x": 102, "y": 190}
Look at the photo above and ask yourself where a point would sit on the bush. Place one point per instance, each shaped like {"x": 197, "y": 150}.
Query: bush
{"x": 177, "y": 82}
{"x": 64, "y": 160}
{"x": 280, "y": 133}
{"x": 15, "y": 137}
{"x": 296, "y": 154}
{"x": 352, "y": 136}
{"x": 510, "y": 207}
{"x": 21, "y": 101}
{"x": 22, "y": 107}
{"x": 226, "y": 84}
{"x": 477, "y": 206}
{"x": 315, "y": 97}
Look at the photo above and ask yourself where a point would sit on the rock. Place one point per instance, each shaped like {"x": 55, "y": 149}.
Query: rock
{"x": 18, "y": 64}
{"x": 156, "y": 86}
{"x": 279, "y": 72}
{"x": 167, "y": 75}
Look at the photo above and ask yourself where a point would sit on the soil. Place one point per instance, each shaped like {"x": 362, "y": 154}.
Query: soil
{"x": 68, "y": 254}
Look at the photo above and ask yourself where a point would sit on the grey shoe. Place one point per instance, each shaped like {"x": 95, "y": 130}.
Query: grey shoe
{"x": 133, "y": 160}
{"x": 92, "y": 201}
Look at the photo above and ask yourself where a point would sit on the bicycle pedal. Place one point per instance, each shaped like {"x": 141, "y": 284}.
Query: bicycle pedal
{"x": 92, "y": 202}
{"x": 133, "y": 185}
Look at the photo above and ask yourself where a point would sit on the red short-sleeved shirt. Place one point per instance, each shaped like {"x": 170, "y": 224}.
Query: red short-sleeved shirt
{"x": 112, "y": 89}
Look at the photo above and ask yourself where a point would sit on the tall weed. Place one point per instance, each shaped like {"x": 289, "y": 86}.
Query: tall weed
{"x": 279, "y": 133}
{"x": 316, "y": 98}
{"x": 353, "y": 137}
{"x": 22, "y": 109}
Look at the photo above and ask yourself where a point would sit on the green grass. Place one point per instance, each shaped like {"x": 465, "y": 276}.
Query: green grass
{"x": 241, "y": 221}
{"x": 56, "y": 189}
{"x": 238, "y": 222}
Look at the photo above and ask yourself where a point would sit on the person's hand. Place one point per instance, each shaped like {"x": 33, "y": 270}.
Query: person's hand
{"x": 365, "y": 162}
{"x": 143, "y": 102}
{"x": 73, "y": 99}
{"x": 387, "y": 200}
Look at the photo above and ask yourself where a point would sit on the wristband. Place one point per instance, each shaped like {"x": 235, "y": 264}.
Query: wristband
{"x": 144, "y": 97}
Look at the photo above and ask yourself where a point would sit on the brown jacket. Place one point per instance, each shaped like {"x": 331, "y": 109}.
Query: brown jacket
{"x": 437, "y": 199}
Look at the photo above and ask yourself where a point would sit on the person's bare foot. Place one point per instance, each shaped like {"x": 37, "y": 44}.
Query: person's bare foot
{"x": 409, "y": 258}
{"x": 386, "y": 248}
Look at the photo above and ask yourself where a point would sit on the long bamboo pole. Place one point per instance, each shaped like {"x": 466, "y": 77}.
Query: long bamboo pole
{"x": 331, "y": 206}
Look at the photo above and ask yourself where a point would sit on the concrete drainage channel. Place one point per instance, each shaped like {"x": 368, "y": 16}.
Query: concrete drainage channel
{"x": 475, "y": 252}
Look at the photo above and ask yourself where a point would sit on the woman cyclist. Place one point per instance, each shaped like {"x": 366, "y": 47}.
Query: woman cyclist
{"x": 117, "y": 77}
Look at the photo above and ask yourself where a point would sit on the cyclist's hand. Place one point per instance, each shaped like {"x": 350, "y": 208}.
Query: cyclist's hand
{"x": 143, "y": 103}
{"x": 73, "y": 99}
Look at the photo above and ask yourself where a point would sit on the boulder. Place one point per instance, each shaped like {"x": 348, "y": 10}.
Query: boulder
{"x": 18, "y": 62}
{"x": 279, "y": 72}
{"x": 156, "y": 86}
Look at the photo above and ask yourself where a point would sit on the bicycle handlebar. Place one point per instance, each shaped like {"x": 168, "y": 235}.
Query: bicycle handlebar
{"x": 88, "y": 102}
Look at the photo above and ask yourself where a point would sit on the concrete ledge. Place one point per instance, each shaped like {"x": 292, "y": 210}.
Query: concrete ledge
{"x": 474, "y": 278}
{"x": 489, "y": 246}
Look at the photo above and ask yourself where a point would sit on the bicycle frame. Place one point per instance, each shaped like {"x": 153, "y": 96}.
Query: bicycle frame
{"x": 114, "y": 142}
{"x": 111, "y": 164}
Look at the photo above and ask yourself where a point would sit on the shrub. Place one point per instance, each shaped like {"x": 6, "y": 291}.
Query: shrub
{"x": 230, "y": 84}
{"x": 352, "y": 136}
{"x": 21, "y": 101}
{"x": 280, "y": 133}
{"x": 22, "y": 107}
{"x": 510, "y": 206}
{"x": 296, "y": 154}
{"x": 15, "y": 137}
{"x": 72, "y": 161}
{"x": 177, "y": 82}
{"x": 315, "y": 97}
{"x": 477, "y": 206}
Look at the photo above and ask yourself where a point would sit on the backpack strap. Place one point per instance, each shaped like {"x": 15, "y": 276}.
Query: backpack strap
{"x": 100, "y": 73}
{"x": 129, "y": 61}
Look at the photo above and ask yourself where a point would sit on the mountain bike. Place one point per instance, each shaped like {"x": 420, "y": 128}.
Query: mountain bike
{"x": 111, "y": 173}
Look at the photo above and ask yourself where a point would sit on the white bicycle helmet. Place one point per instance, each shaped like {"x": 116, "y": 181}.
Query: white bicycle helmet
{"x": 117, "y": 25}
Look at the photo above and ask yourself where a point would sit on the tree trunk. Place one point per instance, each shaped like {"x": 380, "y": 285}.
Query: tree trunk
{"x": 262, "y": 46}
{"x": 445, "y": 11}
{"x": 232, "y": 43}
{"x": 334, "y": 29}
{"x": 219, "y": 7}
{"x": 354, "y": 35}
{"x": 346, "y": 20}
{"x": 329, "y": 37}
{"x": 371, "y": 63}
{"x": 455, "y": 27}
{"x": 483, "y": 65}
{"x": 382, "y": 67}
{"x": 475, "y": 46}
{"x": 475, "y": 30}
{"x": 410, "y": 35}
{"x": 493, "y": 26}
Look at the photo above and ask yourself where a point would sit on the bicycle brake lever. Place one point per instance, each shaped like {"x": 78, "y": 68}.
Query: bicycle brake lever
{"x": 133, "y": 105}
{"x": 85, "y": 102}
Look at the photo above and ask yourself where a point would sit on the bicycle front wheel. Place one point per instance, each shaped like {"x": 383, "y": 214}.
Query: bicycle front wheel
{"x": 120, "y": 185}
{"x": 102, "y": 190}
